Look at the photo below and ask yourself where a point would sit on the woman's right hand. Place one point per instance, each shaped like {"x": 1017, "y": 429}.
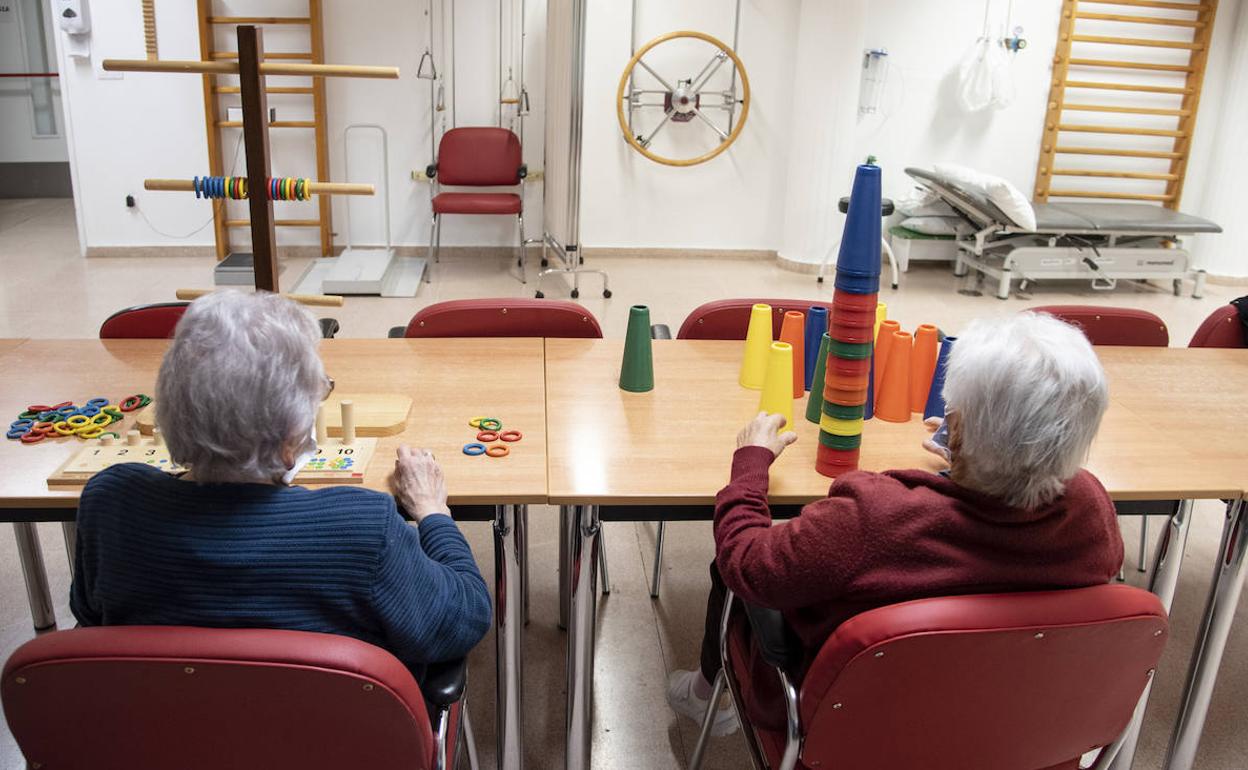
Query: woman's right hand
{"x": 418, "y": 483}
{"x": 764, "y": 431}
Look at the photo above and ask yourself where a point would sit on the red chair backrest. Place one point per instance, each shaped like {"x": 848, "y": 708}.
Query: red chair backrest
{"x": 1221, "y": 329}
{"x": 123, "y": 697}
{"x": 1112, "y": 325}
{"x": 479, "y": 157}
{"x": 728, "y": 319}
{"x": 143, "y": 322}
{"x": 504, "y": 317}
{"x": 1021, "y": 680}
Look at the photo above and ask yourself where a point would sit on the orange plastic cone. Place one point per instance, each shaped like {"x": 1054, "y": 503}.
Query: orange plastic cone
{"x": 892, "y": 400}
{"x": 923, "y": 365}
{"x": 883, "y": 344}
{"x": 793, "y": 331}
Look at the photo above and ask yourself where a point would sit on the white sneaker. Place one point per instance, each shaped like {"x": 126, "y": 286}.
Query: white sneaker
{"x": 683, "y": 700}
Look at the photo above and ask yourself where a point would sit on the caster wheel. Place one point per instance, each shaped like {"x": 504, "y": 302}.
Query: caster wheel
{"x": 894, "y": 287}
{"x": 576, "y": 293}
{"x": 606, "y": 294}
{"x": 819, "y": 279}
{"x": 539, "y": 295}
{"x": 1178, "y": 288}
{"x": 545, "y": 262}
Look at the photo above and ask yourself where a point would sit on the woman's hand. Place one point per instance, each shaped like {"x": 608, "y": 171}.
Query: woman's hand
{"x": 933, "y": 424}
{"x": 764, "y": 431}
{"x": 418, "y": 483}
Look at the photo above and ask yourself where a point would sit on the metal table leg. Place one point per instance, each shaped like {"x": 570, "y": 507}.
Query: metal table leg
{"x": 37, "y": 591}
{"x": 583, "y": 552}
{"x": 522, "y": 539}
{"x": 1167, "y": 561}
{"x": 70, "y": 530}
{"x": 565, "y": 567}
{"x": 508, "y": 621}
{"x": 1215, "y": 627}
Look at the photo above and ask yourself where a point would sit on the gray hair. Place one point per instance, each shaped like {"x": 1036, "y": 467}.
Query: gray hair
{"x": 1029, "y": 393}
{"x": 241, "y": 380}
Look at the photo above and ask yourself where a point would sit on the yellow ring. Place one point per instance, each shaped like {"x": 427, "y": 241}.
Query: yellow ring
{"x": 101, "y": 419}
{"x": 62, "y": 428}
{"x": 475, "y": 422}
{"x": 628, "y": 70}
{"x": 839, "y": 427}
{"x": 91, "y": 431}
{"x": 78, "y": 420}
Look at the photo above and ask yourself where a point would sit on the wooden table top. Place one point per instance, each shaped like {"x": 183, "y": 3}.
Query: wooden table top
{"x": 1173, "y": 429}
{"x": 450, "y": 382}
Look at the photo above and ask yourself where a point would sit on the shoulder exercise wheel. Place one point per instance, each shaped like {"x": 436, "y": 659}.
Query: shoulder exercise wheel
{"x": 683, "y": 102}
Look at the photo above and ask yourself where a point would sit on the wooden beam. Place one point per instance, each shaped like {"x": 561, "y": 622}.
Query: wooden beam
{"x": 286, "y": 56}
{"x": 1094, "y": 84}
{"x": 276, "y": 222}
{"x": 1130, "y": 130}
{"x": 1111, "y": 174}
{"x": 1191, "y": 103}
{"x": 257, "y": 20}
{"x": 1116, "y": 151}
{"x": 149, "y": 29}
{"x": 318, "y": 300}
{"x": 268, "y": 89}
{"x": 266, "y": 68}
{"x": 212, "y": 114}
{"x": 1057, "y": 95}
{"x": 1158, "y": 20}
{"x": 274, "y": 124}
{"x": 1129, "y": 110}
{"x": 1152, "y": 4}
{"x": 316, "y": 37}
{"x": 1132, "y": 65}
{"x": 1137, "y": 41}
{"x": 256, "y": 142}
{"x": 1109, "y": 195}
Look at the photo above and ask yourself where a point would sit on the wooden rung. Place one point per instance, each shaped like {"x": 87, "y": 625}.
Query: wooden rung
{"x": 1117, "y": 152}
{"x": 1140, "y": 41}
{"x": 1131, "y": 65}
{"x": 266, "y": 68}
{"x": 1121, "y": 130}
{"x": 1196, "y": 7}
{"x": 314, "y": 187}
{"x": 1158, "y": 20}
{"x": 273, "y": 124}
{"x": 1131, "y": 110}
{"x": 1127, "y": 87}
{"x": 277, "y": 222}
{"x": 1102, "y": 194}
{"x": 1113, "y": 174}
{"x": 259, "y": 20}
{"x": 289, "y": 56}
{"x": 269, "y": 90}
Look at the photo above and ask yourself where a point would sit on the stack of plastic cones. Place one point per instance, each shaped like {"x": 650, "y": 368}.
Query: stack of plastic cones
{"x": 851, "y": 329}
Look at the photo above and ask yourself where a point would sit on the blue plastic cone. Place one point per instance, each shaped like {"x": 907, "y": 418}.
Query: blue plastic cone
{"x": 935, "y": 406}
{"x": 870, "y": 405}
{"x": 859, "y": 257}
{"x": 816, "y": 325}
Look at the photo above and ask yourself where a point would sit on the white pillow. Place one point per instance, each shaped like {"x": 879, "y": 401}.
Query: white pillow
{"x": 1006, "y": 196}
{"x": 932, "y": 225}
{"x": 922, "y": 202}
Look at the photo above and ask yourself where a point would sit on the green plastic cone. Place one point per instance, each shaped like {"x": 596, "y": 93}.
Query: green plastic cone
{"x": 814, "y": 404}
{"x": 637, "y": 370}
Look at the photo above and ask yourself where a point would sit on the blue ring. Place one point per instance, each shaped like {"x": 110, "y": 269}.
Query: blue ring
{"x": 22, "y": 424}
{"x": 195, "y": 185}
{"x": 89, "y": 411}
{"x": 472, "y": 450}
{"x": 68, "y": 410}
{"x": 15, "y": 433}
{"x": 97, "y": 402}
{"x": 218, "y": 183}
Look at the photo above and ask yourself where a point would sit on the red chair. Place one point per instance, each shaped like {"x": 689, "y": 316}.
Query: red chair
{"x": 1112, "y": 325}
{"x": 478, "y": 157}
{"x": 120, "y": 697}
{"x": 1222, "y": 329}
{"x": 728, "y": 319}
{"x": 1013, "y": 681}
{"x": 144, "y": 322}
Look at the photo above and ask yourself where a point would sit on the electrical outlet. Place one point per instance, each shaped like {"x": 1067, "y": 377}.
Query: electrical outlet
{"x": 130, "y": 201}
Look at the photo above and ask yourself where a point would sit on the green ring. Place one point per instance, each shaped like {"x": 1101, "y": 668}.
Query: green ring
{"x": 844, "y": 412}
{"x": 852, "y": 350}
{"x": 109, "y": 433}
{"x": 840, "y": 442}
{"x": 491, "y": 423}
{"x": 27, "y": 415}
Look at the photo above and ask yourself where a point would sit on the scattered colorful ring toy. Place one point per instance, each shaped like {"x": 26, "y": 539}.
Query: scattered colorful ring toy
{"x": 473, "y": 450}
{"x": 32, "y": 437}
{"x": 487, "y": 435}
{"x": 16, "y": 433}
{"x": 36, "y": 408}
{"x": 475, "y": 422}
{"x": 510, "y": 436}
{"x": 491, "y": 423}
{"x": 78, "y": 420}
{"x": 498, "y": 450}
{"x": 131, "y": 403}
{"x": 92, "y": 431}
{"x": 22, "y": 422}
{"x": 61, "y": 428}
{"x": 98, "y": 403}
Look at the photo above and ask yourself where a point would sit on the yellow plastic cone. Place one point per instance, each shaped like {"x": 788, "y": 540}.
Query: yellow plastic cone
{"x": 757, "y": 341}
{"x": 777, "y": 397}
{"x": 881, "y": 312}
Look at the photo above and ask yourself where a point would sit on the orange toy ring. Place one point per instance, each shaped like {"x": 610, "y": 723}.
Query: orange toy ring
{"x": 487, "y": 435}
{"x": 510, "y": 435}
{"x": 498, "y": 451}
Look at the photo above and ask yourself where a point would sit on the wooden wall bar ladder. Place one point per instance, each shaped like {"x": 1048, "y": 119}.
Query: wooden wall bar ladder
{"x": 1065, "y": 121}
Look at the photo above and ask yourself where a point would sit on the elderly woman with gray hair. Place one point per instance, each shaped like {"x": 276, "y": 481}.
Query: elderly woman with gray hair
{"x": 1014, "y": 512}
{"x": 231, "y": 544}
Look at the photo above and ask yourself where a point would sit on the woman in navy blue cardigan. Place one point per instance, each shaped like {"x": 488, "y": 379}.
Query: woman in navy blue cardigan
{"x": 231, "y": 544}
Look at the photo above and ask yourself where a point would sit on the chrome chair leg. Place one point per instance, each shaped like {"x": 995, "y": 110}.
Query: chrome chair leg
{"x": 433, "y": 248}
{"x": 470, "y": 740}
{"x": 708, "y": 719}
{"x": 658, "y": 561}
{"x": 35, "y": 574}
{"x": 522, "y": 546}
{"x": 602, "y": 560}
{"x": 1142, "y": 558}
{"x": 524, "y": 261}
{"x": 70, "y": 530}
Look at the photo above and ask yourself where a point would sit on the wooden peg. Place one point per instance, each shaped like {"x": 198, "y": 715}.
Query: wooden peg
{"x": 108, "y": 440}
{"x": 133, "y": 438}
{"x": 348, "y": 422}
{"x": 321, "y": 433}
{"x": 158, "y": 438}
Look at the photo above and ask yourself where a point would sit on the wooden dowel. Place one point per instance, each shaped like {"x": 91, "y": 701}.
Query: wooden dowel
{"x": 1121, "y": 130}
{"x": 316, "y": 188}
{"x": 1117, "y": 152}
{"x": 1112, "y": 195}
{"x": 1139, "y": 41}
{"x": 1113, "y": 174}
{"x": 1158, "y": 20}
{"x": 1129, "y": 110}
{"x": 1195, "y": 7}
{"x": 287, "y": 56}
{"x": 1096, "y": 84}
{"x": 270, "y": 89}
{"x": 266, "y": 68}
{"x": 314, "y": 300}
{"x": 348, "y": 422}
{"x": 321, "y": 432}
{"x": 133, "y": 438}
{"x": 272, "y": 124}
{"x": 1131, "y": 65}
{"x": 158, "y": 438}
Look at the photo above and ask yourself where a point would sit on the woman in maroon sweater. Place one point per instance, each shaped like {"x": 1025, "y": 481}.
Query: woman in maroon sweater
{"x": 1014, "y": 512}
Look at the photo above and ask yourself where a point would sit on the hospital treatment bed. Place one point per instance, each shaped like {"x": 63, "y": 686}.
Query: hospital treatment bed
{"x": 1101, "y": 242}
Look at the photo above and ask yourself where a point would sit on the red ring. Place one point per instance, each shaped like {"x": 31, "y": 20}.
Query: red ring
{"x": 60, "y": 405}
{"x": 510, "y": 435}
{"x": 38, "y": 408}
{"x": 134, "y": 403}
{"x": 487, "y": 435}
{"x": 498, "y": 450}
{"x": 32, "y": 438}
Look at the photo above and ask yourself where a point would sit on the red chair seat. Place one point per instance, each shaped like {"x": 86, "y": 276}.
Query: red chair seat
{"x": 1220, "y": 330}
{"x": 1112, "y": 325}
{"x": 476, "y": 203}
{"x": 156, "y": 322}
{"x": 728, "y": 319}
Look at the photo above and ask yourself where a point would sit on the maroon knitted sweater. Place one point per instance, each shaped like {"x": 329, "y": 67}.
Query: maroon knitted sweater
{"x": 882, "y": 538}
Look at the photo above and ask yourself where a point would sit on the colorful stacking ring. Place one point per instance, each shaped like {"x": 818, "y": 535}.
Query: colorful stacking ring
{"x": 840, "y": 427}
{"x": 491, "y": 423}
{"x": 97, "y": 402}
{"x": 852, "y": 316}
{"x": 840, "y": 412}
{"x": 850, "y": 367}
{"x": 16, "y": 433}
{"x": 62, "y": 428}
{"x": 474, "y": 449}
{"x": 78, "y": 420}
{"x": 131, "y": 403}
{"x": 102, "y": 419}
{"x": 845, "y": 397}
{"x": 22, "y": 423}
{"x": 109, "y": 433}
{"x": 854, "y": 301}
{"x": 49, "y": 415}
{"x": 42, "y": 427}
{"x": 113, "y": 412}
{"x": 62, "y": 405}
{"x": 91, "y": 432}
{"x": 511, "y": 435}
{"x": 832, "y": 441}
{"x": 838, "y": 381}
{"x": 475, "y": 422}
{"x": 28, "y": 415}
{"x": 852, "y": 334}
{"x": 39, "y": 408}
{"x": 498, "y": 450}
{"x": 840, "y": 349}
{"x": 487, "y": 435}
{"x": 32, "y": 437}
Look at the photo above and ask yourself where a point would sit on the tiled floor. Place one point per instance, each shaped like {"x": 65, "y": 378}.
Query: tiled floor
{"x": 48, "y": 291}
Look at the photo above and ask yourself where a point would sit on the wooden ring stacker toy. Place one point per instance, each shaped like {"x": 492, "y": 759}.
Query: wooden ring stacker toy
{"x": 510, "y": 435}
{"x": 487, "y": 435}
{"x": 473, "y": 450}
{"x": 682, "y": 103}
{"x": 498, "y": 450}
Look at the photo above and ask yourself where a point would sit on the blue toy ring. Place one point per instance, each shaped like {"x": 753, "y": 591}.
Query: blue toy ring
{"x": 472, "y": 450}
{"x": 97, "y": 402}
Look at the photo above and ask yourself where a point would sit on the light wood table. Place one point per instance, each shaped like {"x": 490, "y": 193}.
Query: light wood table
{"x": 1173, "y": 431}
{"x": 450, "y": 382}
